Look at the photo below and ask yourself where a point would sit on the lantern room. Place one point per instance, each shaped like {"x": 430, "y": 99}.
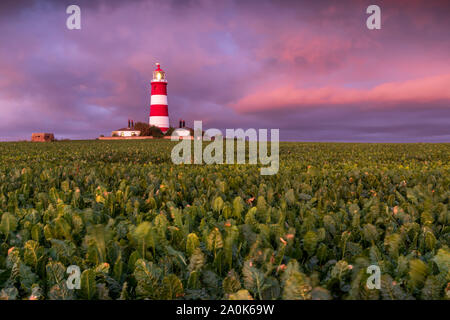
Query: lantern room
{"x": 159, "y": 74}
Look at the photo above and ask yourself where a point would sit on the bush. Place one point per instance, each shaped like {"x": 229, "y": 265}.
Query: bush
{"x": 143, "y": 127}
{"x": 169, "y": 132}
{"x": 147, "y": 130}
{"x": 156, "y": 132}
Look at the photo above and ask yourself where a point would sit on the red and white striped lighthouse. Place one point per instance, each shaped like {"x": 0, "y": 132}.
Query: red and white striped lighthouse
{"x": 159, "y": 113}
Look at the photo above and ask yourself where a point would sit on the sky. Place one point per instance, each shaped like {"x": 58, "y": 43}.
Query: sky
{"x": 311, "y": 69}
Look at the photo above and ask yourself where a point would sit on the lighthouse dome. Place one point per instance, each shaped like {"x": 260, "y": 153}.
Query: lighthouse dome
{"x": 159, "y": 74}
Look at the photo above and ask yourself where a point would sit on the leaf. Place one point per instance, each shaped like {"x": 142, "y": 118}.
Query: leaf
{"x": 31, "y": 254}
{"x": 261, "y": 204}
{"x": 8, "y": 223}
{"x": 134, "y": 256}
{"x": 143, "y": 237}
{"x": 375, "y": 255}
{"x": 147, "y": 276}
{"x": 417, "y": 272}
{"x": 442, "y": 259}
{"x": 172, "y": 287}
{"x": 36, "y": 293}
{"x": 100, "y": 199}
{"x": 118, "y": 269}
{"x": 390, "y": 290}
{"x": 290, "y": 197}
{"x": 88, "y": 284}
{"x": 56, "y": 274}
{"x": 62, "y": 229}
{"x": 9, "y": 294}
{"x": 431, "y": 289}
{"x": 215, "y": 240}
{"x": 230, "y": 241}
{"x": 36, "y": 232}
{"x": 103, "y": 292}
{"x": 194, "y": 280}
{"x": 218, "y": 204}
{"x": 177, "y": 254}
{"x": 271, "y": 289}
{"x": 124, "y": 292}
{"x": 241, "y": 295}
{"x": 253, "y": 277}
{"x": 196, "y": 261}
{"x": 27, "y": 277}
{"x": 192, "y": 243}
{"x": 62, "y": 250}
{"x": 410, "y": 194}
{"x": 329, "y": 224}
{"x": 98, "y": 236}
{"x": 102, "y": 269}
{"x": 296, "y": 288}
{"x": 304, "y": 196}
{"x": 238, "y": 207}
{"x": 319, "y": 293}
{"x": 340, "y": 269}
{"x": 310, "y": 242}
{"x": 430, "y": 239}
{"x": 370, "y": 232}
{"x": 60, "y": 292}
{"x": 231, "y": 282}
{"x": 250, "y": 217}
{"x": 393, "y": 243}
{"x": 322, "y": 252}
{"x": 65, "y": 186}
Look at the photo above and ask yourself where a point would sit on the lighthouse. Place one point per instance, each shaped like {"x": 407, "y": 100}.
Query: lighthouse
{"x": 159, "y": 113}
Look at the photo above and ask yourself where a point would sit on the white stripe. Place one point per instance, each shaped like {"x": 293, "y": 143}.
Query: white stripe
{"x": 156, "y": 80}
{"x": 159, "y": 121}
{"x": 158, "y": 99}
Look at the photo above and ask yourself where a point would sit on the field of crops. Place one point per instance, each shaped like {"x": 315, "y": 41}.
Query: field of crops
{"x": 139, "y": 227}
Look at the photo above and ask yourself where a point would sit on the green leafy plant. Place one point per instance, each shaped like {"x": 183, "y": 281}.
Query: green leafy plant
{"x": 140, "y": 227}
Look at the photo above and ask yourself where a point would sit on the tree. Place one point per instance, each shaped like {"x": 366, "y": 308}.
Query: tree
{"x": 143, "y": 127}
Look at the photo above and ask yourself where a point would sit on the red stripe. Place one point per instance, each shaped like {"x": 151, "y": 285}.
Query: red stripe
{"x": 159, "y": 110}
{"x": 159, "y": 88}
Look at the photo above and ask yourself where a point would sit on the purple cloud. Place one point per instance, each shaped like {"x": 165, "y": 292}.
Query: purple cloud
{"x": 311, "y": 69}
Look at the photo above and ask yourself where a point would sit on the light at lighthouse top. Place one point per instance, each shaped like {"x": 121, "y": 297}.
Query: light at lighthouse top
{"x": 159, "y": 75}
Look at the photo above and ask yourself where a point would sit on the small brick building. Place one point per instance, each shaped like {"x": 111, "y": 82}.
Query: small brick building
{"x": 42, "y": 137}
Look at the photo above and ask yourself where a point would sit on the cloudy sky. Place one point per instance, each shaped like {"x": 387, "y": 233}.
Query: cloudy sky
{"x": 309, "y": 68}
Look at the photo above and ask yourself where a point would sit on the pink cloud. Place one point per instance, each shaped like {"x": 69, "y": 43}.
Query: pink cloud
{"x": 429, "y": 89}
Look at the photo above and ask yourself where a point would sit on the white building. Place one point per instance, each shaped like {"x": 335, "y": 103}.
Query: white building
{"x": 126, "y": 132}
{"x": 181, "y": 132}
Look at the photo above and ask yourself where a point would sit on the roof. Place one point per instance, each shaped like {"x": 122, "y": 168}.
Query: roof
{"x": 182, "y": 132}
{"x": 158, "y": 67}
{"x": 126, "y": 129}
